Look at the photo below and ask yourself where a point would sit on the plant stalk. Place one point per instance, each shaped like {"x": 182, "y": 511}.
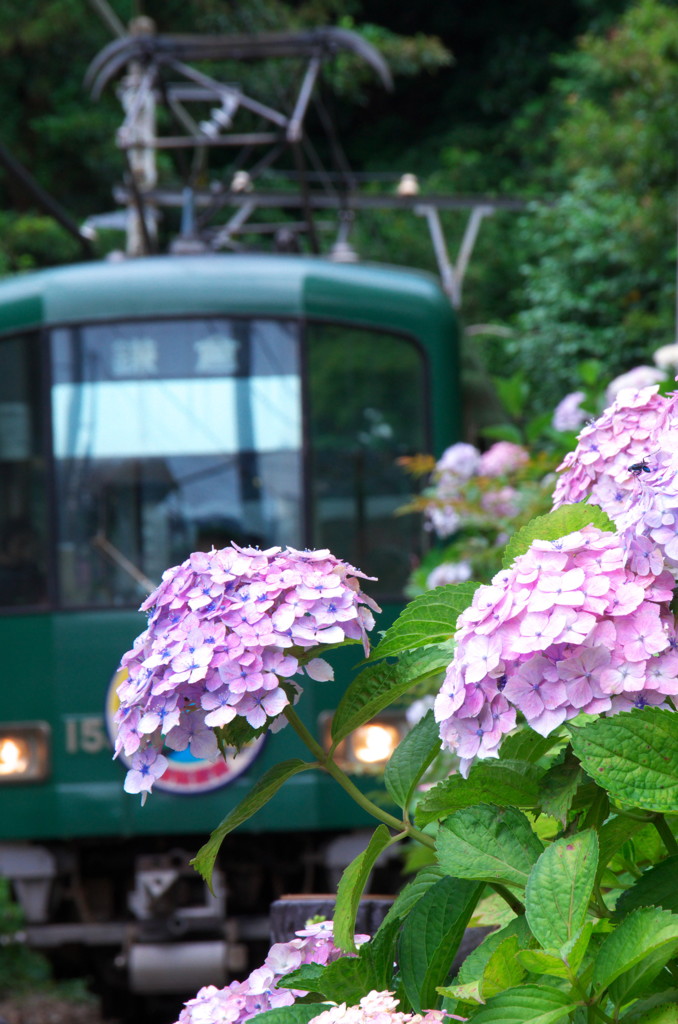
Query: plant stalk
{"x": 330, "y": 766}
{"x": 665, "y": 834}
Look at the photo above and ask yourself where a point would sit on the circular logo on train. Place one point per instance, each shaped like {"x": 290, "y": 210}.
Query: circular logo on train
{"x": 186, "y": 773}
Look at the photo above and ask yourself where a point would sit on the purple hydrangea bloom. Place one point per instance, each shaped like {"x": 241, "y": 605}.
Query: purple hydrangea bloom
{"x": 569, "y": 414}
{"x": 224, "y": 628}
{"x": 240, "y": 1000}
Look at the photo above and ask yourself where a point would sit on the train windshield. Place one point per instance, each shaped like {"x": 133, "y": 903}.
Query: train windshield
{"x": 170, "y": 437}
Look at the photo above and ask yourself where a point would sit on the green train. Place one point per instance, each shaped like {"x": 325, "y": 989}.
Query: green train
{"x": 150, "y": 408}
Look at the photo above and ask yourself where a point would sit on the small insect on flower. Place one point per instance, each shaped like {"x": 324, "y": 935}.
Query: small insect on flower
{"x": 641, "y": 467}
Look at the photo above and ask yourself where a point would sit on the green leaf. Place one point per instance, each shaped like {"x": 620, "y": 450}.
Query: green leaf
{"x": 512, "y": 393}
{"x": 634, "y": 756}
{"x": 349, "y": 978}
{"x": 489, "y": 843}
{"x": 647, "y": 938}
{"x": 267, "y": 786}
{"x": 527, "y": 745}
{"x": 238, "y": 733}
{"x": 504, "y": 432}
{"x": 411, "y": 759}
{"x": 377, "y": 686}
{"x": 526, "y": 1004}
{"x": 640, "y": 1012}
{"x": 408, "y": 897}
{"x": 558, "y": 787}
{"x": 503, "y": 970}
{"x": 306, "y": 978}
{"x": 574, "y": 951}
{"x": 559, "y": 963}
{"x": 564, "y": 520}
{"x": 474, "y": 965}
{"x": 538, "y": 961}
{"x": 612, "y": 836}
{"x": 297, "y": 1013}
{"x": 430, "y": 937}
{"x": 667, "y": 1013}
{"x": 506, "y": 783}
{"x": 351, "y": 885}
{"x": 344, "y": 980}
{"x": 656, "y": 888}
{"x": 427, "y": 619}
{"x": 560, "y": 887}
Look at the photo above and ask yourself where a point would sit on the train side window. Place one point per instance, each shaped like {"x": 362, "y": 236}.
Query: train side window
{"x": 366, "y": 408}
{"x": 170, "y": 437}
{"x": 23, "y": 509}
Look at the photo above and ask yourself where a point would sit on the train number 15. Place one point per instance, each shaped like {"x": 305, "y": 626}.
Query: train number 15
{"x": 86, "y": 735}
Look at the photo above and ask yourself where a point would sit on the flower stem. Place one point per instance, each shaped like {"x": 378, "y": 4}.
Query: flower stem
{"x": 665, "y": 834}
{"x": 330, "y": 766}
{"x": 506, "y": 894}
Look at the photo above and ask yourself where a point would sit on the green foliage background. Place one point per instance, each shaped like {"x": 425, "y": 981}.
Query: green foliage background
{"x": 568, "y": 106}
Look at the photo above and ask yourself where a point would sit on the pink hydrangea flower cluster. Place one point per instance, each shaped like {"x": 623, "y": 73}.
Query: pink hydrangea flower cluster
{"x": 624, "y": 435}
{"x": 636, "y": 379}
{"x": 458, "y": 465}
{"x": 569, "y": 628}
{"x": 379, "y": 1008}
{"x": 223, "y": 629}
{"x": 648, "y": 524}
{"x": 241, "y": 1000}
{"x": 627, "y": 462}
{"x": 503, "y": 457}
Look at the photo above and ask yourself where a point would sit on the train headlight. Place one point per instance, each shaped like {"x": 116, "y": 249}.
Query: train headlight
{"x": 370, "y": 746}
{"x": 24, "y": 752}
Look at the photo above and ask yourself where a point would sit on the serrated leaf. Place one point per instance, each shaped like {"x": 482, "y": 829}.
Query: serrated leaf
{"x": 470, "y": 993}
{"x": 526, "y": 1004}
{"x": 408, "y": 897}
{"x": 560, "y": 887}
{"x": 556, "y": 524}
{"x": 238, "y": 733}
{"x": 558, "y": 963}
{"x": 655, "y": 888}
{"x": 488, "y": 843}
{"x": 430, "y": 937}
{"x": 502, "y": 970}
{"x": 377, "y": 686}
{"x": 527, "y": 745}
{"x": 343, "y": 980}
{"x": 506, "y": 783}
{"x": 267, "y": 786}
{"x": 612, "y": 836}
{"x": 574, "y": 951}
{"x": 474, "y": 965}
{"x": 667, "y": 1013}
{"x": 558, "y": 787}
{"x": 411, "y": 759}
{"x": 349, "y": 978}
{"x": 306, "y": 978}
{"x": 351, "y": 885}
{"x": 428, "y": 619}
{"x": 538, "y": 961}
{"x": 297, "y": 1013}
{"x": 642, "y": 1008}
{"x": 648, "y": 935}
{"x": 634, "y": 756}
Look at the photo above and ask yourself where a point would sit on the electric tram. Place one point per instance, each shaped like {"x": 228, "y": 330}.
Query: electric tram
{"x": 150, "y": 407}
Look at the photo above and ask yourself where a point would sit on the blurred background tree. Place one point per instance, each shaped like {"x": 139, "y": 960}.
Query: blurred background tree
{"x": 568, "y": 106}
